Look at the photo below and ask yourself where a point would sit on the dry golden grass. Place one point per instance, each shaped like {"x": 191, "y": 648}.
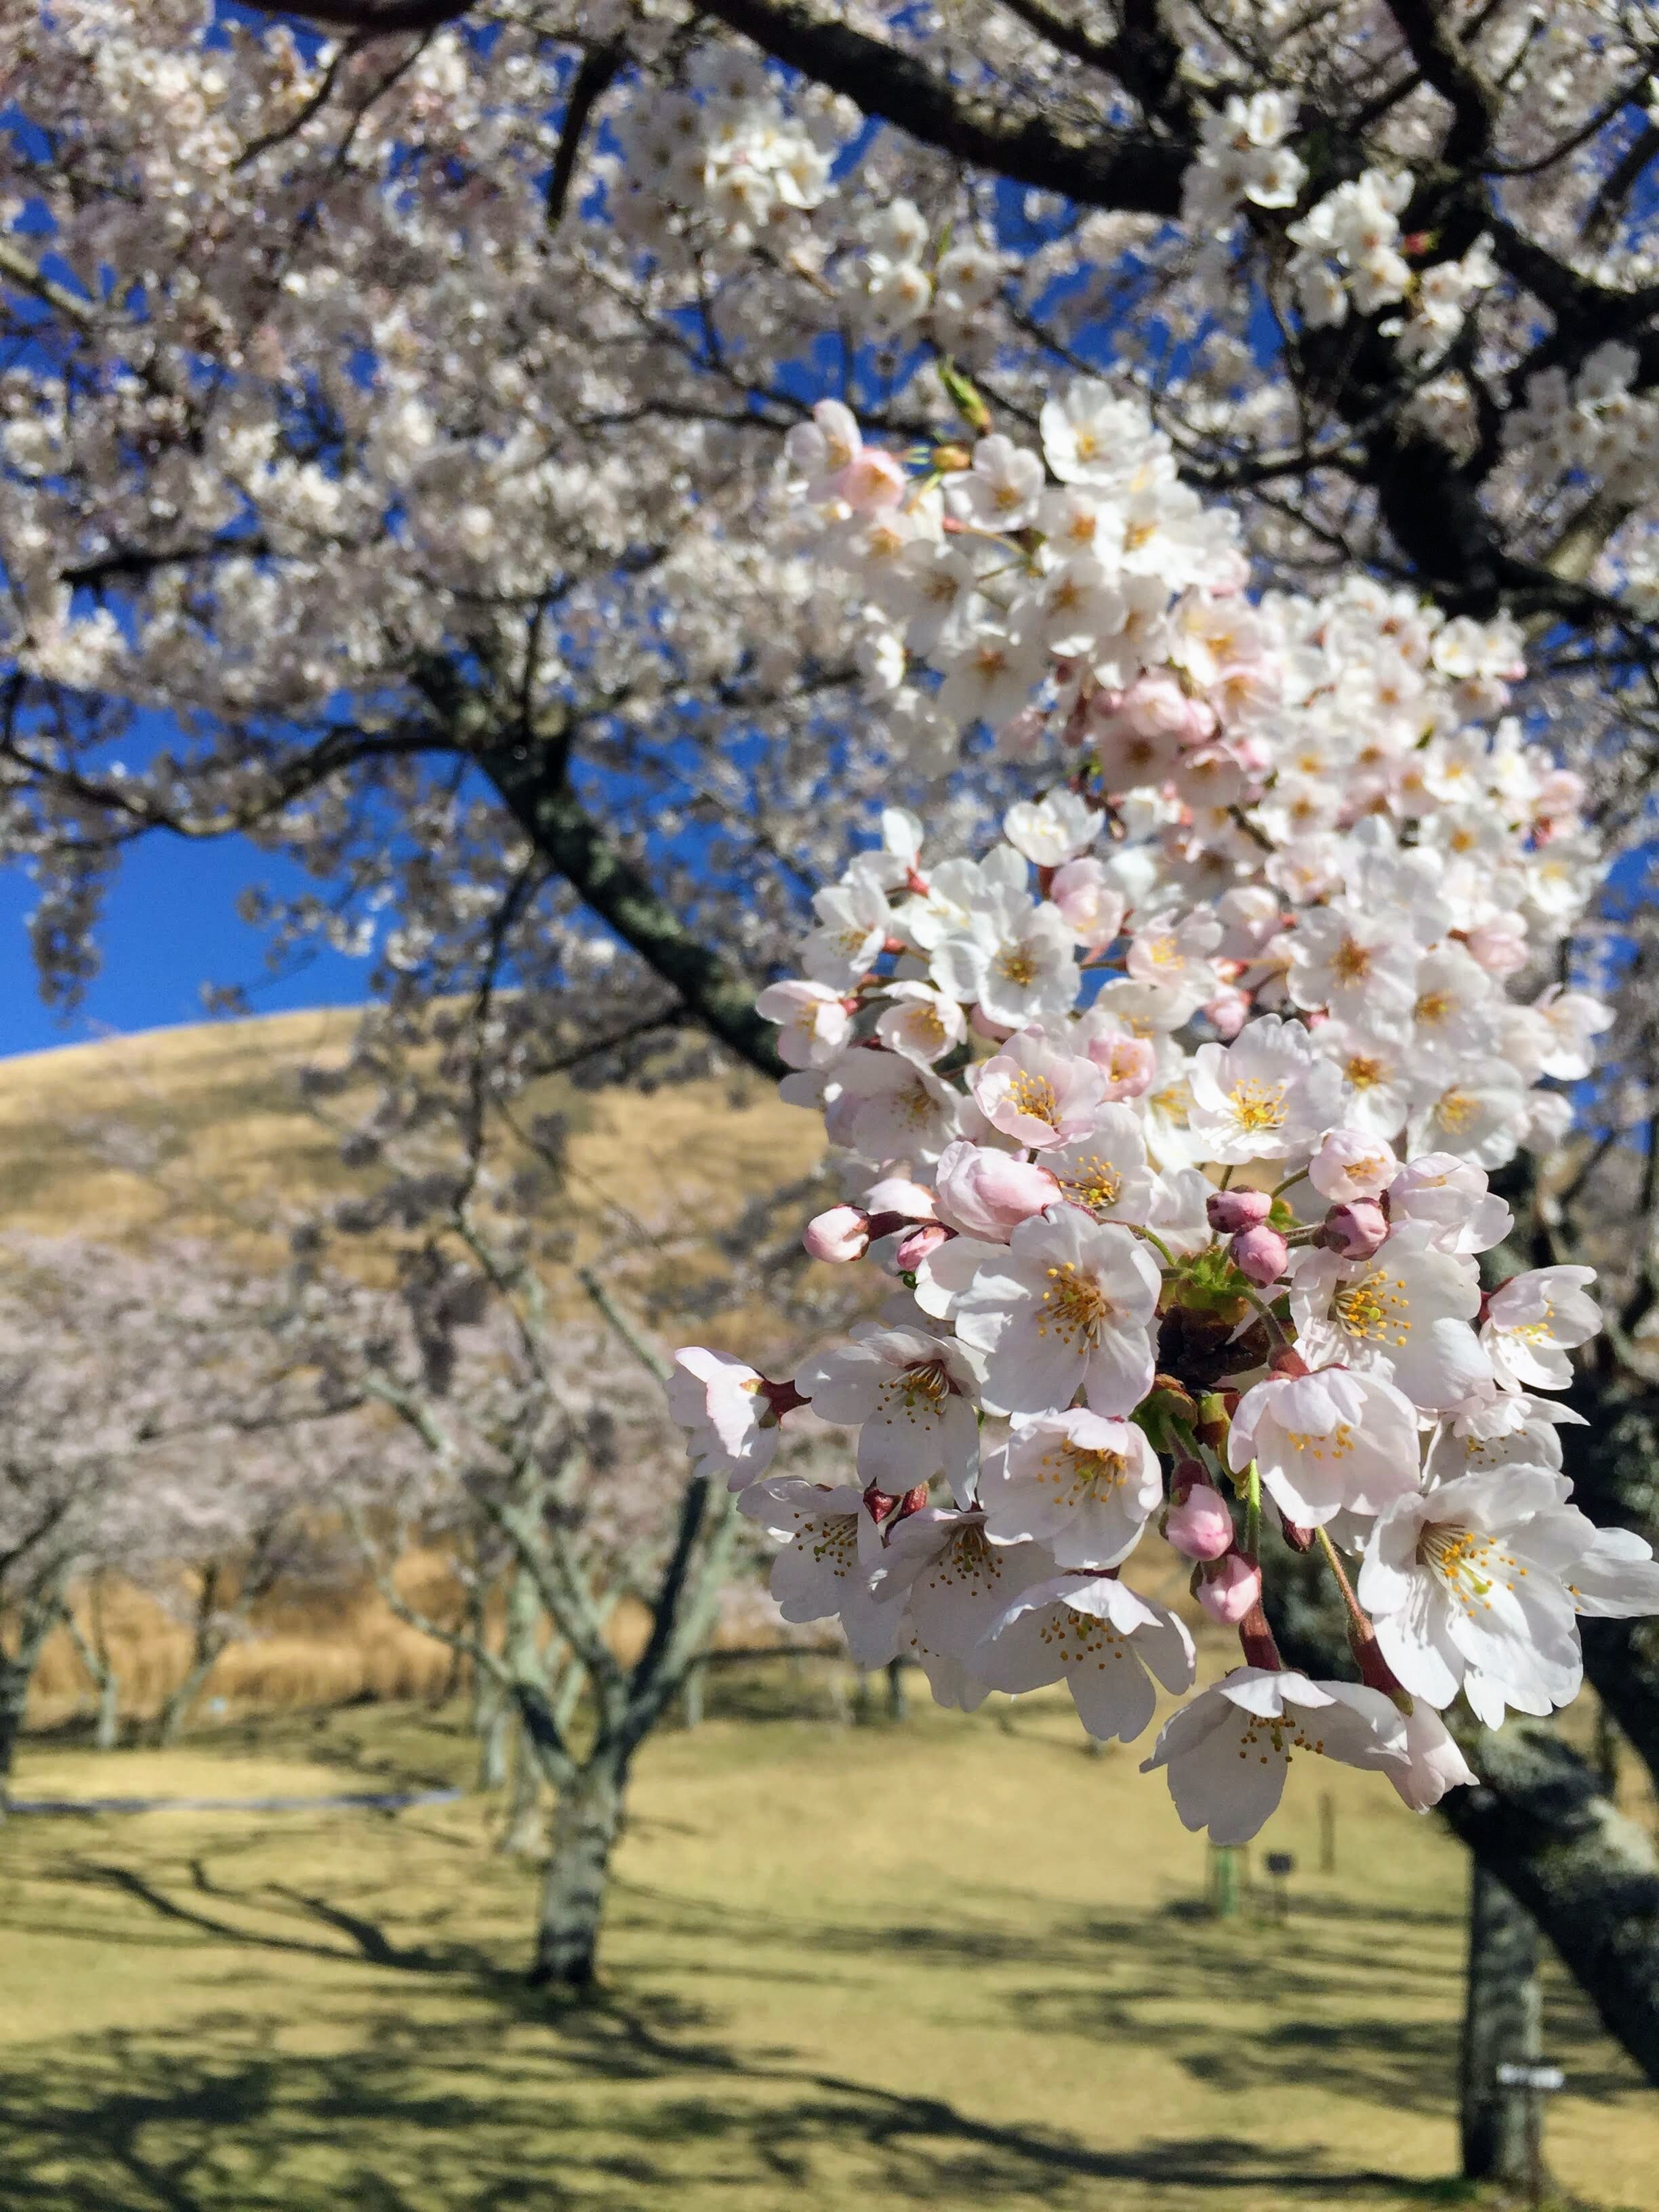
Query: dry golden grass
{"x": 847, "y": 1969}
{"x": 219, "y": 1107}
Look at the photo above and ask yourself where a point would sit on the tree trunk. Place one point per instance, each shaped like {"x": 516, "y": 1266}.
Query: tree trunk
{"x": 1502, "y": 2023}
{"x": 522, "y": 1835}
{"x": 585, "y": 1820}
{"x": 175, "y": 1706}
{"x": 14, "y": 1696}
{"x": 494, "y": 1735}
{"x": 1586, "y": 1874}
{"x": 898, "y": 1703}
{"x": 93, "y": 1651}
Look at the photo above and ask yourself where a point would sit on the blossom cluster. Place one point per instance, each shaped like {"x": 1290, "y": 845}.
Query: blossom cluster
{"x": 1170, "y": 1119}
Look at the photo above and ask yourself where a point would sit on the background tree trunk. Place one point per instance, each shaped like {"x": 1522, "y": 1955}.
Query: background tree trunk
{"x": 1503, "y": 2017}
{"x": 586, "y": 1821}
{"x": 14, "y": 1696}
{"x": 523, "y": 1832}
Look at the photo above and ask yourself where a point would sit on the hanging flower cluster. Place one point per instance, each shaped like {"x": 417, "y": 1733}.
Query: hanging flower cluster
{"x": 1170, "y": 1117}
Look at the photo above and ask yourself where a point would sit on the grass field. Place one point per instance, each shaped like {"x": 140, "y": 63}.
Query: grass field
{"x": 956, "y": 1962}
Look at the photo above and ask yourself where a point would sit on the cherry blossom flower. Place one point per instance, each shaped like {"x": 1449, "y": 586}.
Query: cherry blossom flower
{"x": 1403, "y": 1315}
{"x": 1100, "y": 1638}
{"x": 1228, "y": 1751}
{"x": 1265, "y": 1097}
{"x": 1329, "y": 1442}
{"x": 1084, "y": 1486}
{"x": 721, "y": 1404}
{"x": 910, "y": 1396}
{"x": 1038, "y": 1093}
{"x": 1068, "y": 1307}
{"x": 1464, "y": 1584}
{"x": 830, "y": 1545}
{"x": 814, "y": 1024}
{"x": 1534, "y": 1320}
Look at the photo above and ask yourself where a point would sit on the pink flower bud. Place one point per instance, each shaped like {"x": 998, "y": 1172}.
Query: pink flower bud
{"x": 1198, "y": 1526}
{"x": 1355, "y": 1231}
{"x": 842, "y": 1233}
{"x": 987, "y": 1194}
{"x": 1130, "y": 1064}
{"x": 911, "y": 1201}
{"x": 1228, "y": 1012}
{"x": 1230, "y": 1588}
{"x": 1231, "y": 1211}
{"x": 1260, "y": 1254}
{"x": 918, "y": 1244}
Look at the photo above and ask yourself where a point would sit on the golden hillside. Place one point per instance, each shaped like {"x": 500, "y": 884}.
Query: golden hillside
{"x": 214, "y": 1111}
{"x": 204, "y": 1127}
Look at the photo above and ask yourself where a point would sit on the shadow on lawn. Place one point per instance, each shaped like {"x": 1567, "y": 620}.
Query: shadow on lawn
{"x": 633, "y": 2101}
{"x": 612, "y": 2108}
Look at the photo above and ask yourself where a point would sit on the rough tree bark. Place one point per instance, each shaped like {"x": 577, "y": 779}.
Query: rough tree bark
{"x": 1503, "y": 2014}
{"x": 587, "y": 1821}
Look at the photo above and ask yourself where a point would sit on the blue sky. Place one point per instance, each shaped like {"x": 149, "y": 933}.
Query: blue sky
{"x": 171, "y": 927}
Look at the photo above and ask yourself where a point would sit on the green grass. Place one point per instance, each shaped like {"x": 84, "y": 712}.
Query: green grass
{"x": 847, "y": 1970}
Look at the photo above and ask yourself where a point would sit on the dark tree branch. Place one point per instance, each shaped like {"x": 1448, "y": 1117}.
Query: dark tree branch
{"x": 599, "y": 69}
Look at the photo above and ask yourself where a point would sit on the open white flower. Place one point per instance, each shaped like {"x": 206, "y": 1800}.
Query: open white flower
{"x": 919, "y": 1022}
{"x": 721, "y": 1404}
{"x": 1363, "y": 967}
{"x": 1038, "y": 1093}
{"x": 853, "y": 919}
{"x": 830, "y": 1545}
{"x": 1083, "y": 1486}
{"x": 1404, "y": 1315}
{"x": 1098, "y": 1636}
{"x": 1330, "y": 1441}
{"x": 951, "y": 1580}
{"x": 1229, "y": 1750}
{"x": 892, "y": 1108}
{"x": 1464, "y": 1585}
{"x": 1265, "y": 1096}
{"x": 1479, "y": 1115}
{"x": 814, "y": 1024}
{"x": 1015, "y": 958}
{"x": 1068, "y": 1305}
{"x": 1107, "y": 1172}
{"x": 1053, "y": 829}
{"x": 1449, "y": 1198}
{"x": 1534, "y": 1321}
{"x": 910, "y": 1396}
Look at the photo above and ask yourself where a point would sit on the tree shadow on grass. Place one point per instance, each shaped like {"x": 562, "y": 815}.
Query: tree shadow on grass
{"x": 611, "y": 2110}
{"x": 634, "y": 2101}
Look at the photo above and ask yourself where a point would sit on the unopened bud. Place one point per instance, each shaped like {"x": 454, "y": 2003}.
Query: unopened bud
{"x": 1231, "y": 1211}
{"x": 1230, "y": 1588}
{"x": 918, "y": 1244}
{"x": 1260, "y": 1254}
{"x": 842, "y": 1233}
{"x": 1355, "y": 1231}
{"x": 1199, "y": 1525}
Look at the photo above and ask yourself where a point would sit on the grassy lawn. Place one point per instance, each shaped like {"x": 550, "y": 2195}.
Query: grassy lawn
{"x": 936, "y": 1965}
